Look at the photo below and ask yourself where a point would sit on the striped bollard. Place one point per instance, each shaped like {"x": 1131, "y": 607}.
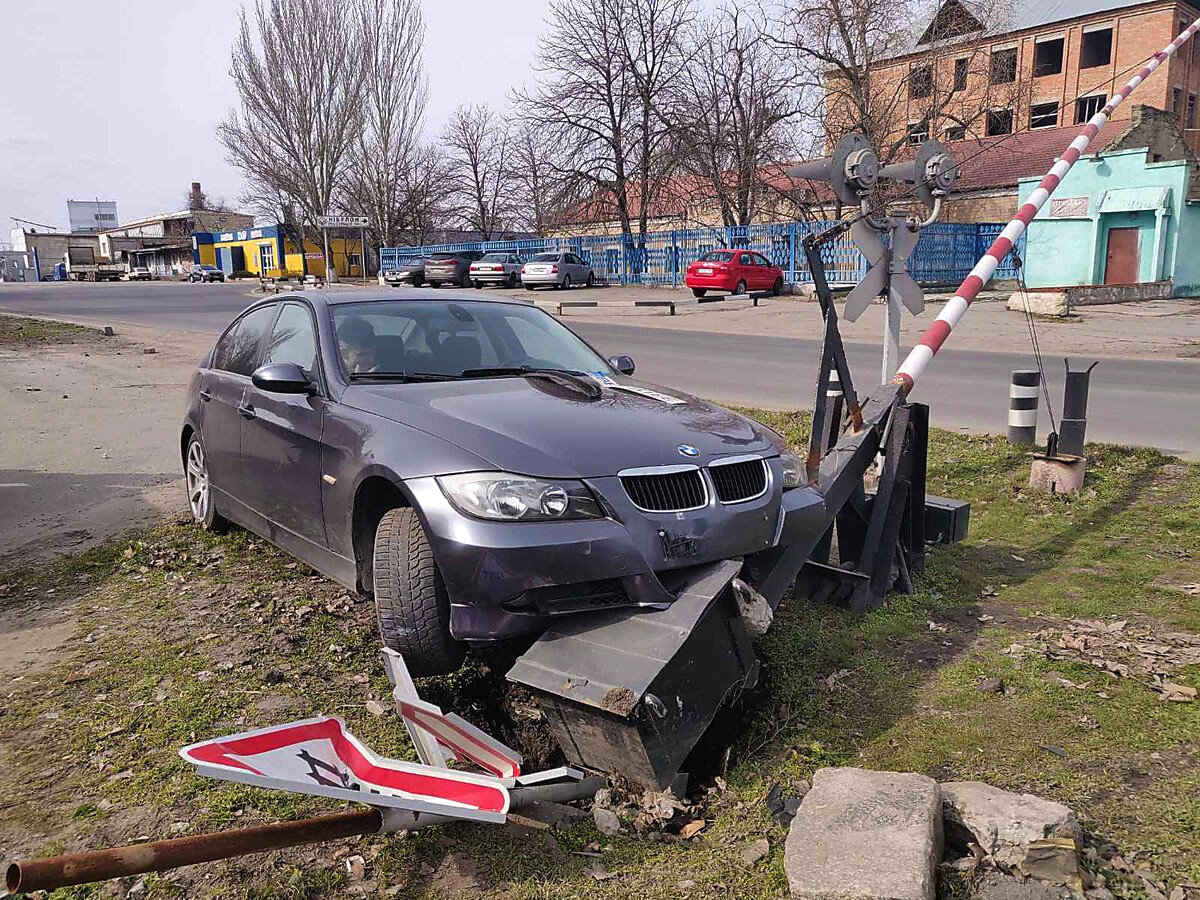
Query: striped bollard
{"x": 1023, "y": 405}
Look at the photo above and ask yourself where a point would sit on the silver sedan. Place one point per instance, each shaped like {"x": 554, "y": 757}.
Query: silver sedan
{"x": 560, "y": 270}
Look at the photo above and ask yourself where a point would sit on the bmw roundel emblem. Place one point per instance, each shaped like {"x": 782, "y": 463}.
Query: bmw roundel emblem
{"x": 688, "y": 450}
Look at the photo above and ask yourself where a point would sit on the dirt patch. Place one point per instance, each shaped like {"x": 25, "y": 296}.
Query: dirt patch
{"x": 619, "y": 700}
{"x": 21, "y": 333}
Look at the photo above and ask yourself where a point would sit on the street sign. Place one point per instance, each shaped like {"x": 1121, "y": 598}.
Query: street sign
{"x": 343, "y": 221}
{"x": 319, "y": 756}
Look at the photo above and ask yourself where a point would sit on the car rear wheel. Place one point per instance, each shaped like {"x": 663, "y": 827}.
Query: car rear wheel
{"x": 417, "y": 281}
{"x": 777, "y": 287}
{"x": 698, "y": 292}
{"x": 512, "y": 281}
{"x": 566, "y": 282}
{"x": 434, "y": 284}
{"x": 529, "y": 287}
{"x": 478, "y": 285}
{"x": 740, "y": 287}
{"x": 199, "y": 488}
{"x": 465, "y": 281}
{"x": 410, "y": 599}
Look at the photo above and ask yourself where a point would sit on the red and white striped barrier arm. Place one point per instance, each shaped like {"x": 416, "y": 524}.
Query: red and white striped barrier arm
{"x": 931, "y": 341}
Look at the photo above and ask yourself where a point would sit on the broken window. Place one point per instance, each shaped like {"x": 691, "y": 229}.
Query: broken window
{"x": 1048, "y": 57}
{"x": 1096, "y": 49}
{"x": 1043, "y": 115}
{"x": 1086, "y": 107}
{"x": 960, "y": 74}
{"x": 999, "y": 121}
{"x": 956, "y": 133}
{"x": 1004, "y": 66}
{"x": 918, "y": 132}
{"x": 920, "y": 82}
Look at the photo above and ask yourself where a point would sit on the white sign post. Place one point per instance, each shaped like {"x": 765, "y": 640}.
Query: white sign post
{"x": 359, "y": 222}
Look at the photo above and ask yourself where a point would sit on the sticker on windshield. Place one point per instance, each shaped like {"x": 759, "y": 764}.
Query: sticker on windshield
{"x": 609, "y": 382}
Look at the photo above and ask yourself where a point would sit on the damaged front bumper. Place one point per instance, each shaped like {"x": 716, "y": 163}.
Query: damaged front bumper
{"x": 510, "y": 578}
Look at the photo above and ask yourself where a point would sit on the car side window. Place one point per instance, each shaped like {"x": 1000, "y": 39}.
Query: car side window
{"x": 745, "y": 260}
{"x": 293, "y": 339}
{"x": 237, "y": 351}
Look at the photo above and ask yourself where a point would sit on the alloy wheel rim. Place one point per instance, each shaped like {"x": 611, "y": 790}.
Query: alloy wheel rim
{"x": 197, "y": 481}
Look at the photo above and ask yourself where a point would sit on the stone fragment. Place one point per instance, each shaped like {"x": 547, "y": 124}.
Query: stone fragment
{"x": 865, "y": 835}
{"x": 1055, "y": 860}
{"x": 606, "y": 820}
{"x": 375, "y": 708}
{"x": 997, "y": 819}
{"x": 756, "y": 851}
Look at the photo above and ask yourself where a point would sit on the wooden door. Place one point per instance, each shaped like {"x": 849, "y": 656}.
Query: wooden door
{"x": 1121, "y": 263}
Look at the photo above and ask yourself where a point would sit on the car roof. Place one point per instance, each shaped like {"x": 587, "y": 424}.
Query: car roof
{"x": 339, "y": 298}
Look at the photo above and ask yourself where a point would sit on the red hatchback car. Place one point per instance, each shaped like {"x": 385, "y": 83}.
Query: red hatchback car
{"x": 736, "y": 271}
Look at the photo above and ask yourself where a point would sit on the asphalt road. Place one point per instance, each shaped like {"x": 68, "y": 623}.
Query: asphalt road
{"x": 1133, "y": 401}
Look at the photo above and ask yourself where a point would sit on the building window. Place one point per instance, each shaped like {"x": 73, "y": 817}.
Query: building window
{"x": 999, "y": 121}
{"x": 354, "y": 259}
{"x": 1190, "y": 121}
{"x": 1004, "y": 66}
{"x": 920, "y": 82}
{"x": 1086, "y": 107}
{"x": 960, "y": 74}
{"x": 1096, "y": 49}
{"x": 956, "y": 133}
{"x": 1043, "y": 115}
{"x": 918, "y": 132}
{"x": 266, "y": 257}
{"x": 1048, "y": 57}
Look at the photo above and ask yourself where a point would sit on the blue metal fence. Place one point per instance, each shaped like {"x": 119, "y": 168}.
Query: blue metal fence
{"x": 945, "y": 253}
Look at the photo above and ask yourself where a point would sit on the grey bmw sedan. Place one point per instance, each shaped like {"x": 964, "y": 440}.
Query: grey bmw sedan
{"x": 471, "y": 463}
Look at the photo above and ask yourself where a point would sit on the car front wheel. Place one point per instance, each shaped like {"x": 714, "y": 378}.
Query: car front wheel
{"x": 199, "y": 488}
{"x": 410, "y": 598}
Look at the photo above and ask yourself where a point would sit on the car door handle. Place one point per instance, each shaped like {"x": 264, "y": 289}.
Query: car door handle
{"x": 246, "y": 412}
{"x": 205, "y": 396}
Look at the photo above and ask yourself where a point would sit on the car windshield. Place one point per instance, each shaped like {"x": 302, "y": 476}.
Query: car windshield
{"x": 209, "y": 268}
{"x": 495, "y": 257}
{"x": 433, "y": 340}
{"x": 545, "y": 257}
{"x": 717, "y": 256}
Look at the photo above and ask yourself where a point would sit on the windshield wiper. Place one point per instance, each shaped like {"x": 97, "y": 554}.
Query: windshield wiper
{"x": 399, "y": 376}
{"x": 497, "y": 371}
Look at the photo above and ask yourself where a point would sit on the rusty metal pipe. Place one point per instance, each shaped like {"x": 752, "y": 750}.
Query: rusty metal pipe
{"x": 99, "y": 865}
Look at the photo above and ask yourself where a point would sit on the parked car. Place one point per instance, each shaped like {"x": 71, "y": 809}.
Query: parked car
{"x": 496, "y": 268}
{"x": 205, "y": 274}
{"x": 410, "y": 271}
{"x": 138, "y": 273}
{"x": 471, "y": 462}
{"x": 736, "y": 271}
{"x": 450, "y": 268}
{"x": 560, "y": 270}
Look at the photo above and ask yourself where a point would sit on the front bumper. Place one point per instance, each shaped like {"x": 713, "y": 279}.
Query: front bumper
{"x": 511, "y": 578}
{"x": 402, "y": 277}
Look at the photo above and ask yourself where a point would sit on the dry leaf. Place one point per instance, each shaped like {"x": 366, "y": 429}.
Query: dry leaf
{"x": 692, "y": 828}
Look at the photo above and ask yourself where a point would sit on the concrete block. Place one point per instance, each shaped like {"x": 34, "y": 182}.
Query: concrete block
{"x": 863, "y": 835}
{"x": 1042, "y": 303}
{"x": 998, "y": 820}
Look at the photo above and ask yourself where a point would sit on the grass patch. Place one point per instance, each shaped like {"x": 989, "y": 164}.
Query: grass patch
{"x": 185, "y": 635}
{"x": 19, "y": 333}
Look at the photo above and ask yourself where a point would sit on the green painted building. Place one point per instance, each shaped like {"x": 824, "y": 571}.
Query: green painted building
{"x": 1119, "y": 217}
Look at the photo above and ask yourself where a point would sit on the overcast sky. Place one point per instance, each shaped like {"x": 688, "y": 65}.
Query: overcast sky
{"x": 121, "y": 102}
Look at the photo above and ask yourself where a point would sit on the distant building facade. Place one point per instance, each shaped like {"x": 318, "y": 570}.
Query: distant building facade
{"x": 1037, "y": 65}
{"x": 276, "y": 251}
{"x": 41, "y": 251}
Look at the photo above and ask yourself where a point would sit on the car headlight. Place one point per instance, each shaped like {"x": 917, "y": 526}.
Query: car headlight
{"x": 506, "y": 497}
{"x": 793, "y": 470}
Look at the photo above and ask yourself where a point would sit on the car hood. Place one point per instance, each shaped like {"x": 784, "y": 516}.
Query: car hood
{"x": 535, "y": 426}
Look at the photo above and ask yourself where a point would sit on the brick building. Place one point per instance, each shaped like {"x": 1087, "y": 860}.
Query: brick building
{"x": 1037, "y": 65}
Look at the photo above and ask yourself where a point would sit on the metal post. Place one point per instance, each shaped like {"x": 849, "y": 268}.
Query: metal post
{"x": 1023, "y": 395}
{"x": 1074, "y": 421}
{"x": 891, "y": 335}
{"x": 362, "y": 252}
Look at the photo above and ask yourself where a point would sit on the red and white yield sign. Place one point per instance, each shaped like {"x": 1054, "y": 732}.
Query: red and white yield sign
{"x": 319, "y": 756}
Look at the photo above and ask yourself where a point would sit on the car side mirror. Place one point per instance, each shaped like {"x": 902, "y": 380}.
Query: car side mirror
{"x": 282, "y": 378}
{"x": 623, "y": 364}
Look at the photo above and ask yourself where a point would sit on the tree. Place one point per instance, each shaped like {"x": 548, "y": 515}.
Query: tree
{"x": 477, "y": 147}
{"x": 300, "y": 82}
{"x": 391, "y": 34}
{"x": 540, "y": 192}
{"x": 424, "y": 206}
{"x": 733, "y": 103}
{"x": 844, "y": 50}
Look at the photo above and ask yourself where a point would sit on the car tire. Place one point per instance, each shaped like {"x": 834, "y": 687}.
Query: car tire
{"x": 739, "y": 288}
{"x": 529, "y": 287}
{"x": 411, "y": 603}
{"x": 566, "y": 282}
{"x": 591, "y": 279}
{"x": 699, "y": 292}
{"x": 199, "y": 488}
{"x": 512, "y": 281}
{"x": 417, "y": 281}
{"x": 777, "y": 287}
{"x": 435, "y": 284}
{"x": 465, "y": 281}
{"x": 478, "y": 285}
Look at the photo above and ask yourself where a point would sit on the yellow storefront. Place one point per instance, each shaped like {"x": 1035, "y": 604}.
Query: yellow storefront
{"x": 274, "y": 251}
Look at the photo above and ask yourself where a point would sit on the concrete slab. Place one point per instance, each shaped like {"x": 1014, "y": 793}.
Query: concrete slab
{"x": 997, "y": 819}
{"x": 1041, "y": 303}
{"x": 864, "y": 835}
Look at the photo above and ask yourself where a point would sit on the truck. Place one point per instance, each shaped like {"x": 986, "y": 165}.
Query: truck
{"x": 82, "y": 264}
